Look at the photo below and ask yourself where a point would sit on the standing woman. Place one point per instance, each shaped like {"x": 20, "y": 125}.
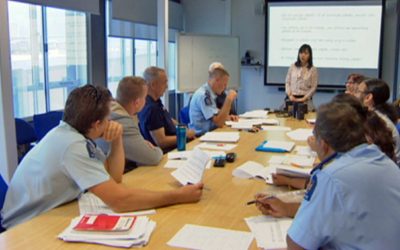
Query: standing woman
{"x": 302, "y": 78}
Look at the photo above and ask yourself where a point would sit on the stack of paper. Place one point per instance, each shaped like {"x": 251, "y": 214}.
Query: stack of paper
{"x": 255, "y": 114}
{"x": 138, "y": 235}
{"x": 220, "y": 137}
{"x": 252, "y": 169}
{"x": 275, "y": 128}
{"x": 193, "y": 170}
{"x": 91, "y": 204}
{"x": 180, "y": 158}
{"x": 292, "y": 171}
{"x": 276, "y": 146}
{"x": 305, "y": 150}
{"x": 270, "y": 233}
{"x": 300, "y": 134}
{"x": 216, "y": 146}
{"x": 201, "y": 237}
{"x": 295, "y": 160}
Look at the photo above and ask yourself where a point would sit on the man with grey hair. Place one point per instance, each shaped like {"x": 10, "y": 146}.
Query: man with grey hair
{"x": 156, "y": 123}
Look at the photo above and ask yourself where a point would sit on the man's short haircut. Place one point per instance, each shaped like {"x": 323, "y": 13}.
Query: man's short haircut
{"x": 130, "y": 88}
{"x": 218, "y": 72}
{"x": 340, "y": 126}
{"x": 86, "y": 105}
{"x": 215, "y": 65}
{"x": 152, "y": 73}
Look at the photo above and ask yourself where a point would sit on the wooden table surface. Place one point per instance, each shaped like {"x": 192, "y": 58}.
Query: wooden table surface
{"x": 222, "y": 205}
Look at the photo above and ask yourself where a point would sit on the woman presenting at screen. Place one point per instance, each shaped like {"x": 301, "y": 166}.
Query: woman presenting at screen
{"x": 302, "y": 78}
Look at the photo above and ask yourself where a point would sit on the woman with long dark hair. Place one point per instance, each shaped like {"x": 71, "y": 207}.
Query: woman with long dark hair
{"x": 302, "y": 78}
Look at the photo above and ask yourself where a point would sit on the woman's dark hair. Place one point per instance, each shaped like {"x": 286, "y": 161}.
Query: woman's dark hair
{"x": 356, "y": 78}
{"x": 375, "y": 128}
{"x": 86, "y": 105}
{"x": 304, "y": 48}
{"x": 380, "y": 94}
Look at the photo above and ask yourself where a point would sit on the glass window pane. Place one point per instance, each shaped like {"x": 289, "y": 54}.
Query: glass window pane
{"x": 27, "y": 59}
{"x": 119, "y": 61}
{"x": 67, "y": 54}
{"x": 145, "y": 55}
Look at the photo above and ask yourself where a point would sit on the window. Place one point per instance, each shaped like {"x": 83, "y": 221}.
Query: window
{"x": 145, "y": 55}
{"x": 48, "y": 56}
{"x": 119, "y": 61}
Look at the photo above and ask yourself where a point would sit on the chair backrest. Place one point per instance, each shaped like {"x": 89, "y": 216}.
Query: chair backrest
{"x": 24, "y": 132}
{"x": 43, "y": 123}
{"x": 3, "y": 190}
{"x": 184, "y": 115}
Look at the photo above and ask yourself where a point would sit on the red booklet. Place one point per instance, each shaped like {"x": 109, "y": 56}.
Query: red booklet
{"x": 104, "y": 222}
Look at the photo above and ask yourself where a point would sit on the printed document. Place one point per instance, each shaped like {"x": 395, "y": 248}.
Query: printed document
{"x": 270, "y": 233}
{"x": 210, "y": 238}
{"x": 192, "y": 172}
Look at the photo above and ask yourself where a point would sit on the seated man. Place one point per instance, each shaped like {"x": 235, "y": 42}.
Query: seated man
{"x": 344, "y": 206}
{"x": 203, "y": 112}
{"x": 156, "y": 123}
{"x": 130, "y": 99}
{"x": 66, "y": 163}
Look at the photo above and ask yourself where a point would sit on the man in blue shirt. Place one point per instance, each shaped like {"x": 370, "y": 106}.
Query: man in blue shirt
{"x": 67, "y": 162}
{"x": 203, "y": 111}
{"x": 353, "y": 198}
{"x": 156, "y": 123}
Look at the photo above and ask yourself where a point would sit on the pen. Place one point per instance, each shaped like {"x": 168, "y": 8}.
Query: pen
{"x": 255, "y": 201}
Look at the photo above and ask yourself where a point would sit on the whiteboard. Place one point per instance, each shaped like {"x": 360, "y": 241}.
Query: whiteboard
{"x": 195, "y": 53}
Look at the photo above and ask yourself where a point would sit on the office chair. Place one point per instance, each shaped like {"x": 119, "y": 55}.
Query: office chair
{"x": 25, "y": 137}
{"x": 43, "y": 123}
{"x": 3, "y": 190}
{"x": 184, "y": 115}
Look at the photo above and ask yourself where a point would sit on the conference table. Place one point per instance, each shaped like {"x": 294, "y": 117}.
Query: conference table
{"x": 223, "y": 203}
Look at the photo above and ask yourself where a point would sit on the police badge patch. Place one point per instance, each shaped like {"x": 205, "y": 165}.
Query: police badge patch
{"x": 207, "y": 98}
{"x": 91, "y": 148}
{"x": 311, "y": 188}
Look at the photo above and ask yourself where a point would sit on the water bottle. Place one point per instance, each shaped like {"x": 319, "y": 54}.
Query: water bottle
{"x": 181, "y": 137}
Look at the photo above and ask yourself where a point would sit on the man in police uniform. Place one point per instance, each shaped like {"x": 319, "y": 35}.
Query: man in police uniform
{"x": 66, "y": 163}
{"x": 203, "y": 112}
{"x": 156, "y": 123}
{"x": 353, "y": 198}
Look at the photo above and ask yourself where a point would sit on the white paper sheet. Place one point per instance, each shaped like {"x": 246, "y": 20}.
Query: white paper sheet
{"x": 220, "y": 137}
{"x": 210, "y": 238}
{"x": 252, "y": 169}
{"x": 91, "y": 204}
{"x": 216, "y": 146}
{"x": 300, "y": 134}
{"x": 292, "y": 171}
{"x": 295, "y": 160}
{"x": 305, "y": 150}
{"x": 181, "y": 163}
{"x": 270, "y": 233}
{"x": 255, "y": 114}
{"x": 194, "y": 168}
{"x": 284, "y": 145}
{"x": 275, "y": 128}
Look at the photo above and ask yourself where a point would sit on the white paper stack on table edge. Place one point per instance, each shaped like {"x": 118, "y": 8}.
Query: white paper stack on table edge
{"x": 210, "y": 238}
{"x": 252, "y": 169}
{"x": 91, "y": 204}
{"x": 138, "y": 235}
{"x": 192, "y": 172}
{"x": 270, "y": 233}
{"x": 300, "y": 134}
{"x": 295, "y": 160}
{"x": 255, "y": 114}
{"x": 292, "y": 171}
{"x": 220, "y": 137}
{"x": 305, "y": 150}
